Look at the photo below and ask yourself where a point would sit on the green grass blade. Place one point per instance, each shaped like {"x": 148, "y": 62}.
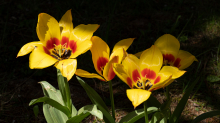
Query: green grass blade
{"x": 205, "y": 115}
{"x": 96, "y": 99}
{"x": 179, "y": 108}
{"x": 152, "y": 101}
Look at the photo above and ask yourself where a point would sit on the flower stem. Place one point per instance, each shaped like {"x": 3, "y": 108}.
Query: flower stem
{"x": 112, "y": 99}
{"x": 145, "y": 110}
{"x": 167, "y": 93}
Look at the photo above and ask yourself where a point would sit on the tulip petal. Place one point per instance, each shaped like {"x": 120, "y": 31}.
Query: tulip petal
{"x": 27, "y": 48}
{"x": 108, "y": 72}
{"x": 119, "y": 52}
{"x": 122, "y": 73}
{"x": 83, "y": 73}
{"x": 80, "y": 47}
{"x": 184, "y": 59}
{"x": 169, "y": 46}
{"x": 137, "y": 96}
{"x": 151, "y": 61}
{"x": 132, "y": 68}
{"x": 66, "y": 27}
{"x": 100, "y": 53}
{"x": 125, "y": 44}
{"x": 42, "y": 27}
{"x": 83, "y": 32}
{"x": 39, "y": 59}
{"x": 67, "y": 67}
{"x": 52, "y": 37}
{"x": 176, "y": 73}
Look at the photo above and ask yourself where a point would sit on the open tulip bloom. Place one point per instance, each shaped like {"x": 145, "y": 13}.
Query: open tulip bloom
{"x": 59, "y": 43}
{"x": 145, "y": 74}
{"x": 102, "y": 59}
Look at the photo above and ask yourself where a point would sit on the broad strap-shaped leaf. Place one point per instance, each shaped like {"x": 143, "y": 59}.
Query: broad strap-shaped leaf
{"x": 136, "y": 115}
{"x": 179, "y": 108}
{"x": 96, "y": 99}
{"x": 84, "y": 112}
{"x": 55, "y": 94}
{"x": 205, "y": 115}
{"x": 53, "y": 103}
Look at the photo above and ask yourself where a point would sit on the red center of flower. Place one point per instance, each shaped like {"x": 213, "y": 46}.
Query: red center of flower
{"x": 177, "y": 63}
{"x": 136, "y": 76}
{"x": 129, "y": 82}
{"x": 147, "y": 73}
{"x": 73, "y": 45}
{"x": 52, "y": 43}
{"x": 169, "y": 57}
{"x": 101, "y": 62}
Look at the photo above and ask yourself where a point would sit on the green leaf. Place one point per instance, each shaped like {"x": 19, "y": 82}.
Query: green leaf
{"x": 205, "y": 115}
{"x": 52, "y": 103}
{"x": 53, "y": 115}
{"x": 157, "y": 117}
{"x": 179, "y": 108}
{"x": 36, "y": 110}
{"x": 84, "y": 112}
{"x": 212, "y": 78}
{"x": 136, "y": 115}
{"x": 55, "y": 94}
{"x": 96, "y": 99}
{"x": 64, "y": 89}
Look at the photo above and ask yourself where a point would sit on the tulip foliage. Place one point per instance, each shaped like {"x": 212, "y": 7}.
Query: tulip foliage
{"x": 144, "y": 72}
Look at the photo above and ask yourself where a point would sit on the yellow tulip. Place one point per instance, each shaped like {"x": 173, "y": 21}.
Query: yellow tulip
{"x": 102, "y": 59}
{"x": 59, "y": 43}
{"x": 145, "y": 74}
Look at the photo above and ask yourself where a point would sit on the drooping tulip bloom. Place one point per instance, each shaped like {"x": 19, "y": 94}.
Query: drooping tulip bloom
{"x": 145, "y": 74}
{"x": 59, "y": 43}
{"x": 102, "y": 59}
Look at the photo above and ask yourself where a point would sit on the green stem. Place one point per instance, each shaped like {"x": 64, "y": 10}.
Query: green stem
{"x": 145, "y": 110}
{"x": 112, "y": 99}
{"x": 167, "y": 93}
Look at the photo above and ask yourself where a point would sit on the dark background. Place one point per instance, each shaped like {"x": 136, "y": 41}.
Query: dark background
{"x": 196, "y": 23}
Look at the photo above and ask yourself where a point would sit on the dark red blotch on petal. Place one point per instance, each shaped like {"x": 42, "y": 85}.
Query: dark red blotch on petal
{"x": 73, "y": 46}
{"x": 169, "y": 58}
{"x": 52, "y": 42}
{"x": 157, "y": 80}
{"x": 111, "y": 73}
{"x": 177, "y": 63}
{"x": 65, "y": 41}
{"x": 129, "y": 82}
{"x": 135, "y": 75}
{"x": 46, "y": 51}
{"x": 147, "y": 73}
{"x": 101, "y": 62}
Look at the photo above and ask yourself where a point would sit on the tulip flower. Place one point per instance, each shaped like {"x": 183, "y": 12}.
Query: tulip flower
{"x": 102, "y": 59}
{"x": 59, "y": 43}
{"x": 145, "y": 74}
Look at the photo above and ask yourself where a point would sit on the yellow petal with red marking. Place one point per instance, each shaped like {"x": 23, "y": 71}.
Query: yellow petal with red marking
{"x": 83, "y": 73}
{"x": 42, "y": 26}
{"x": 119, "y": 52}
{"x": 100, "y": 53}
{"x": 52, "y": 37}
{"x": 79, "y": 48}
{"x": 151, "y": 61}
{"x": 67, "y": 67}
{"x": 168, "y": 45}
{"x": 132, "y": 68}
{"x": 27, "y": 48}
{"x": 83, "y": 32}
{"x": 137, "y": 96}
{"x": 66, "y": 26}
{"x": 125, "y": 44}
{"x": 122, "y": 73}
{"x": 108, "y": 72}
{"x": 184, "y": 59}
{"x": 39, "y": 59}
